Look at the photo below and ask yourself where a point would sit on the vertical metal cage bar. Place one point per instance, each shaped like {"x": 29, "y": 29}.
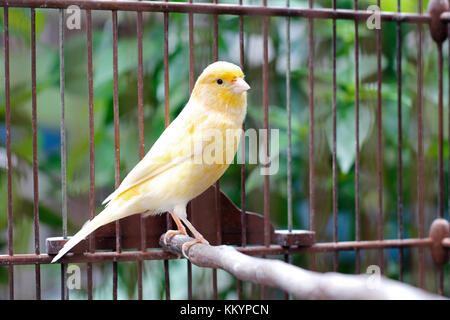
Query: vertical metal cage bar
{"x": 288, "y": 257}
{"x": 243, "y": 152}
{"x": 166, "y": 123}
{"x": 312, "y": 214}
{"x": 218, "y": 233}
{"x": 191, "y": 87}
{"x": 288, "y": 112}
{"x": 266, "y": 127}
{"x": 380, "y": 144}
{"x": 35, "y": 158}
{"x": 116, "y": 138}
{"x": 216, "y": 33}
{"x": 217, "y": 185}
{"x": 440, "y": 134}
{"x": 167, "y": 278}
{"x": 420, "y": 177}
{"x": 334, "y": 156}
{"x": 8, "y": 151}
{"x": 64, "y": 290}
{"x": 140, "y": 86}
{"x": 440, "y": 155}
{"x": 357, "y": 195}
{"x": 91, "y": 143}
{"x": 266, "y": 142}
{"x": 448, "y": 97}
{"x": 400, "y": 143}
{"x": 63, "y": 122}
{"x": 191, "y": 50}
{"x": 166, "y": 71}
{"x": 142, "y": 233}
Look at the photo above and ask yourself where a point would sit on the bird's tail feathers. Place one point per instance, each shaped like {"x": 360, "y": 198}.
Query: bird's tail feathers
{"x": 101, "y": 219}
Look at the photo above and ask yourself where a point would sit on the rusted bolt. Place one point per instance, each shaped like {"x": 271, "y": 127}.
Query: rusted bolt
{"x": 439, "y": 230}
{"x": 438, "y": 28}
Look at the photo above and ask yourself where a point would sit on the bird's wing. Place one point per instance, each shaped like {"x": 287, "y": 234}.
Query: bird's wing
{"x": 173, "y": 147}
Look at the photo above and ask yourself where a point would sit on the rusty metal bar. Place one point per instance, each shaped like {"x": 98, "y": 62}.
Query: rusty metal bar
{"x": 191, "y": 49}
{"x": 312, "y": 213}
{"x": 440, "y": 154}
{"x": 91, "y": 143}
{"x": 357, "y": 193}
{"x": 243, "y": 152}
{"x": 438, "y": 31}
{"x": 334, "y": 151}
{"x": 380, "y": 144}
{"x": 167, "y": 278}
{"x": 400, "y": 144}
{"x": 265, "y": 80}
{"x": 8, "y": 151}
{"x": 440, "y": 133}
{"x": 218, "y": 234}
{"x": 63, "y": 122}
{"x": 191, "y": 87}
{"x": 116, "y": 138}
{"x": 440, "y": 279}
{"x": 141, "y": 140}
{"x": 189, "y": 280}
{"x": 166, "y": 124}
{"x": 441, "y": 185}
{"x": 97, "y": 257}
{"x": 217, "y": 185}
{"x": 340, "y": 246}
{"x": 208, "y": 8}
{"x": 288, "y": 258}
{"x": 64, "y": 289}
{"x": 35, "y": 150}
{"x": 420, "y": 176}
{"x": 166, "y": 77}
{"x": 106, "y": 256}
{"x": 140, "y": 87}
{"x": 216, "y": 33}
{"x": 116, "y": 105}
{"x": 448, "y": 97}
{"x": 288, "y": 120}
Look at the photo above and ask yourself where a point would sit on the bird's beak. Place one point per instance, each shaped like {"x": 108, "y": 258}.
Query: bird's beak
{"x": 239, "y": 85}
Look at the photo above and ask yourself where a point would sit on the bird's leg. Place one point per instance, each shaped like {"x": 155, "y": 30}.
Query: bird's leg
{"x": 197, "y": 235}
{"x": 180, "y": 230}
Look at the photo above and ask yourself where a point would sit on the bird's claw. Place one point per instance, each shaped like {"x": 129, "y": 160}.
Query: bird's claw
{"x": 187, "y": 245}
{"x": 171, "y": 233}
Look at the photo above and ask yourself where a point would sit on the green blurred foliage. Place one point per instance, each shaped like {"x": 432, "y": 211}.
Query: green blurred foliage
{"x": 76, "y": 102}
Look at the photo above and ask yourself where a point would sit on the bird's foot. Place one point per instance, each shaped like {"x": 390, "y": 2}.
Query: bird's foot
{"x": 185, "y": 247}
{"x": 170, "y": 233}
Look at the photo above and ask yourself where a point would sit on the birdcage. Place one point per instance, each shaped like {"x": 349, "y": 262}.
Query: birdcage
{"x": 363, "y": 158}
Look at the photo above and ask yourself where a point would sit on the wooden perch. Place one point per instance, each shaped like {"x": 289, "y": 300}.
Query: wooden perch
{"x": 301, "y": 283}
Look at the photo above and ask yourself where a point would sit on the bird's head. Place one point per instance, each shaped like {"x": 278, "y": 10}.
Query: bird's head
{"x": 221, "y": 83}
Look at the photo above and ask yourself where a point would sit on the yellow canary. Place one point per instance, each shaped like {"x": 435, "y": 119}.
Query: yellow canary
{"x": 173, "y": 172}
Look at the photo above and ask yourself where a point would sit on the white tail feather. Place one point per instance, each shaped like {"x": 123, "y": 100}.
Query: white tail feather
{"x": 101, "y": 219}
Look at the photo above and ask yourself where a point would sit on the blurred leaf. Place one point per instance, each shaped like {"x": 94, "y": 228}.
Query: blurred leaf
{"x": 346, "y": 139}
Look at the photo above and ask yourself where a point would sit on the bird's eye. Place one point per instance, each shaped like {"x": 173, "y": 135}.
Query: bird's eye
{"x": 219, "y": 81}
